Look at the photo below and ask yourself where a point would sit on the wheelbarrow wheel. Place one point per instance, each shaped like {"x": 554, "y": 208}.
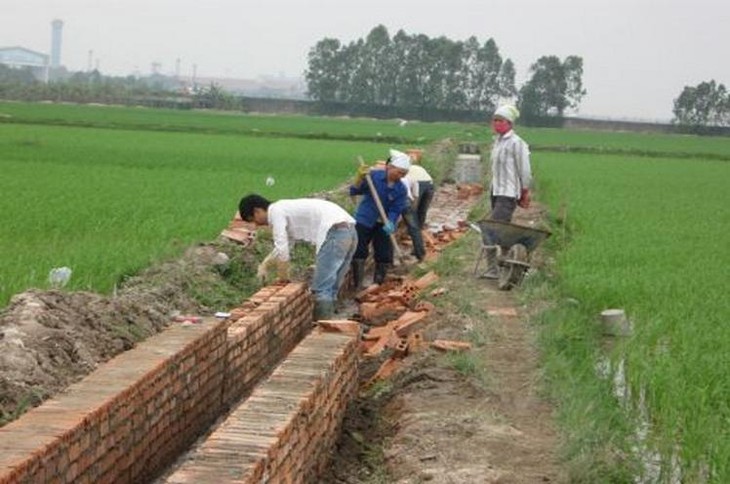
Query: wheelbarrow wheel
{"x": 513, "y": 267}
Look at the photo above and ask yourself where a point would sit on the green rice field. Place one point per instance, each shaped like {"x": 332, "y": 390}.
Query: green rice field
{"x": 108, "y": 202}
{"x": 640, "y": 222}
{"x": 650, "y": 236}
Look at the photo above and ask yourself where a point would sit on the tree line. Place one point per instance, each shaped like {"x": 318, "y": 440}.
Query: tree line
{"x": 407, "y": 74}
{"x": 438, "y": 73}
{"x": 702, "y": 106}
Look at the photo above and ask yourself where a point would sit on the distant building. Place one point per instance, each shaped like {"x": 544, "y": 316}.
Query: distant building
{"x": 19, "y": 57}
{"x": 265, "y": 86}
{"x": 56, "y": 34}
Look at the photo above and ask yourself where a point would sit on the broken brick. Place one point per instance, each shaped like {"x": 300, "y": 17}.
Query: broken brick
{"x": 447, "y": 345}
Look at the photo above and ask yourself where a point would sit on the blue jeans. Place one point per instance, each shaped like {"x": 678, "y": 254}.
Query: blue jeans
{"x": 333, "y": 262}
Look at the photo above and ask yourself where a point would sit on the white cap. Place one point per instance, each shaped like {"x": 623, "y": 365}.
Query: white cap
{"x": 508, "y": 112}
{"x": 400, "y": 160}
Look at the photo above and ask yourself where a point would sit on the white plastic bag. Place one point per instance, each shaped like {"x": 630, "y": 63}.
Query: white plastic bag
{"x": 59, "y": 276}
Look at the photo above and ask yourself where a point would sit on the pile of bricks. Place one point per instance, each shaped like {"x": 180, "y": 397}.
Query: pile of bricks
{"x": 239, "y": 231}
{"x": 402, "y": 335}
{"x": 134, "y": 415}
{"x": 285, "y": 430}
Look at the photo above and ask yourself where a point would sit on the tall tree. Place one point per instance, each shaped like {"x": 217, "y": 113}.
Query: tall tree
{"x": 410, "y": 71}
{"x": 506, "y": 80}
{"x": 323, "y": 74}
{"x": 553, "y": 87}
{"x": 484, "y": 74}
{"x": 707, "y": 104}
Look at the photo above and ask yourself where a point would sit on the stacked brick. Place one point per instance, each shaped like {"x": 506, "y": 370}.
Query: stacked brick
{"x": 134, "y": 415}
{"x": 259, "y": 339}
{"x": 127, "y": 418}
{"x": 239, "y": 231}
{"x": 285, "y": 430}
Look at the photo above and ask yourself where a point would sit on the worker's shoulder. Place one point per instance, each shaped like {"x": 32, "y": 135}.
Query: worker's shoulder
{"x": 515, "y": 138}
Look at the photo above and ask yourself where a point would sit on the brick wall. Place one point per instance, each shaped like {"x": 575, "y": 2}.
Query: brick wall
{"x": 261, "y": 338}
{"x": 131, "y": 418}
{"x": 125, "y": 419}
{"x": 285, "y": 430}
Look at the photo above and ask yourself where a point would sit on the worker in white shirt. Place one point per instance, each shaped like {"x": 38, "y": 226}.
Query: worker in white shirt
{"x": 324, "y": 224}
{"x": 421, "y": 187}
{"x": 511, "y": 174}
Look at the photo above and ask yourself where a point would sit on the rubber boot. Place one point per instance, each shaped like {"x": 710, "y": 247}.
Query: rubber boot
{"x": 358, "y": 273}
{"x": 492, "y": 271}
{"x": 323, "y": 310}
{"x": 381, "y": 269}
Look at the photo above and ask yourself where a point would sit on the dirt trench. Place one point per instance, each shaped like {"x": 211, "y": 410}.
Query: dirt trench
{"x": 476, "y": 418}
{"x": 458, "y": 418}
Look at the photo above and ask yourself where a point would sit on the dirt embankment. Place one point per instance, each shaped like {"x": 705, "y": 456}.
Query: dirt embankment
{"x": 50, "y": 339}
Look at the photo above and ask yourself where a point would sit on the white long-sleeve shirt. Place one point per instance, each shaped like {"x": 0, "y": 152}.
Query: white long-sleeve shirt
{"x": 416, "y": 174}
{"x": 510, "y": 166}
{"x": 307, "y": 219}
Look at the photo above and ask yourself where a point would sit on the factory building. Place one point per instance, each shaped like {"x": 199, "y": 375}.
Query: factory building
{"x": 42, "y": 65}
{"x": 19, "y": 57}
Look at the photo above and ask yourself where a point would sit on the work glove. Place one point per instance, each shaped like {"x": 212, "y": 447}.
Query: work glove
{"x": 272, "y": 263}
{"x": 524, "y": 200}
{"x": 262, "y": 272}
{"x": 282, "y": 271}
{"x": 388, "y": 227}
{"x": 362, "y": 170}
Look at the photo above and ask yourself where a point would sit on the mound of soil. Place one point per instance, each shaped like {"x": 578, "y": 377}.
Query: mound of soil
{"x": 50, "y": 339}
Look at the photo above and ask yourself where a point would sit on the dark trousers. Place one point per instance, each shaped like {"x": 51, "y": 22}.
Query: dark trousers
{"x": 503, "y": 208}
{"x": 414, "y": 230}
{"x": 425, "y": 196}
{"x": 382, "y": 248}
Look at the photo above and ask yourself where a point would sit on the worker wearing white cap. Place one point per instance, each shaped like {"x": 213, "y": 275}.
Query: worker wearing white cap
{"x": 421, "y": 193}
{"x": 370, "y": 228}
{"x": 511, "y": 174}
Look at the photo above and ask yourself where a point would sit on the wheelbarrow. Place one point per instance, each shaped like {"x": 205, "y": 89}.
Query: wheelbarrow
{"x": 513, "y": 243}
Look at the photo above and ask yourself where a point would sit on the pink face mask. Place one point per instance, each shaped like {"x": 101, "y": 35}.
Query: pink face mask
{"x": 501, "y": 126}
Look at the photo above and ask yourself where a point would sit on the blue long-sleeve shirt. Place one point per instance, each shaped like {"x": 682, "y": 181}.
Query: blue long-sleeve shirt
{"x": 394, "y": 199}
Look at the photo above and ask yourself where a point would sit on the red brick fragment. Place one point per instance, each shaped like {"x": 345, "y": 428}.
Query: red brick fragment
{"x": 448, "y": 345}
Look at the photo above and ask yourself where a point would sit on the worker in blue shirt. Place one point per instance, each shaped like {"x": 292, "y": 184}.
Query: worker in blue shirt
{"x": 370, "y": 227}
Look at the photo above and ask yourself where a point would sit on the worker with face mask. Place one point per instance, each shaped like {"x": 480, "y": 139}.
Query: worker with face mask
{"x": 511, "y": 174}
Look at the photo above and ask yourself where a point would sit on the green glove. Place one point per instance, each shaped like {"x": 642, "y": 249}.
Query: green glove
{"x": 362, "y": 170}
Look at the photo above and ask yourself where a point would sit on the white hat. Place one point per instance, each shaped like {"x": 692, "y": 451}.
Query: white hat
{"x": 400, "y": 160}
{"x": 508, "y": 112}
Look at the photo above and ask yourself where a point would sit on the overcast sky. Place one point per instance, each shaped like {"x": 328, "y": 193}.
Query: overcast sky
{"x": 638, "y": 54}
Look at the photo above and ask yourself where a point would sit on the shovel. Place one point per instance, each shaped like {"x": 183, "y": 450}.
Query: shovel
{"x": 381, "y": 211}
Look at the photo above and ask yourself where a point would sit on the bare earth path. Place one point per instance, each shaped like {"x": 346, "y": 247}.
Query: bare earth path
{"x": 470, "y": 418}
